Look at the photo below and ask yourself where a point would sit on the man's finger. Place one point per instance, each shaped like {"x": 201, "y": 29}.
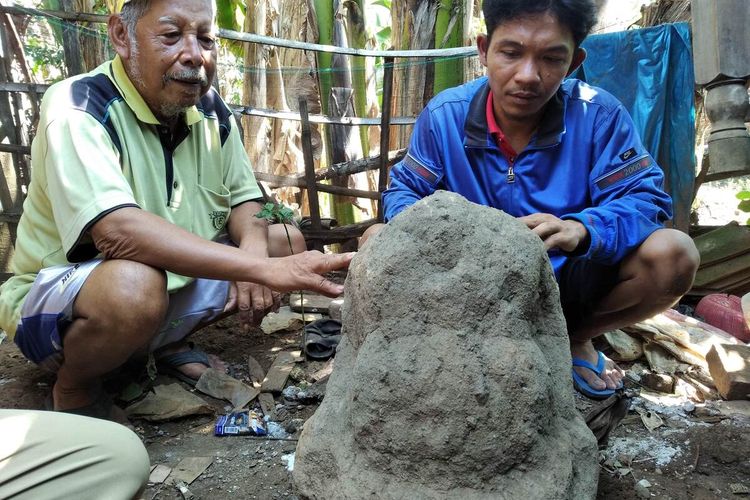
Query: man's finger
{"x": 333, "y": 262}
{"x": 258, "y": 300}
{"x": 534, "y": 220}
{"x": 328, "y": 288}
{"x": 232, "y": 299}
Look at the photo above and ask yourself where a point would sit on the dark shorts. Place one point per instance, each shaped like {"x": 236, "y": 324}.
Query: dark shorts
{"x": 583, "y": 284}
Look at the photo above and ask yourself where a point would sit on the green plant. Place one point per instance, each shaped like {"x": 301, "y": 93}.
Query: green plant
{"x": 277, "y": 213}
{"x": 744, "y": 204}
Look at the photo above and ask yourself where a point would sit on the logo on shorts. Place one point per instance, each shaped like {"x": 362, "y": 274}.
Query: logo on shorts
{"x": 67, "y": 276}
{"x": 218, "y": 218}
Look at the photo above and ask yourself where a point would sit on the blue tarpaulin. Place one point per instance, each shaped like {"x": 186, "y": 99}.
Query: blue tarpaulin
{"x": 650, "y": 71}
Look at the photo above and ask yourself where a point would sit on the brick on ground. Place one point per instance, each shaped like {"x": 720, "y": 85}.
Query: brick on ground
{"x": 730, "y": 368}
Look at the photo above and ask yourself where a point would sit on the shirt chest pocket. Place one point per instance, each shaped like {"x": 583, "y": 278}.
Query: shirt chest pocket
{"x": 211, "y": 211}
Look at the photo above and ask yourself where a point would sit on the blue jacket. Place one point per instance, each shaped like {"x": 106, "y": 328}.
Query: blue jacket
{"x": 586, "y": 162}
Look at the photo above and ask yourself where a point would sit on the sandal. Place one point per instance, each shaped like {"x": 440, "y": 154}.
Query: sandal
{"x": 321, "y": 337}
{"x": 167, "y": 364}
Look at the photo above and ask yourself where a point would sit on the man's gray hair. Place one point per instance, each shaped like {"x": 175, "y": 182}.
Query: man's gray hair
{"x": 133, "y": 10}
{"x": 131, "y": 13}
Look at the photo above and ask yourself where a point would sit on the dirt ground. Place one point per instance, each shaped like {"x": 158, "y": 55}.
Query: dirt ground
{"x": 699, "y": 452}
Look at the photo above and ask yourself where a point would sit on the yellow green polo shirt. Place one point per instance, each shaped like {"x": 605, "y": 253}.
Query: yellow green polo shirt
{"x": 98, "y": 148}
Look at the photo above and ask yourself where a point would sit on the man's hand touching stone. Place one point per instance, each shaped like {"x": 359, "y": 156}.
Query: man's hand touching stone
{"x": 564, "y": 235}
{"x": 303, "y": 271}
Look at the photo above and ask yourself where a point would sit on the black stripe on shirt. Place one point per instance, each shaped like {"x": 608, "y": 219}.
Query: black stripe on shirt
{"x": 95, "y": 95}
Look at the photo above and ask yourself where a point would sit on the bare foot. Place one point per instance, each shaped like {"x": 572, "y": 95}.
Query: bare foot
{"x": 192, "y": 370}
{"x": 611, "y": 377}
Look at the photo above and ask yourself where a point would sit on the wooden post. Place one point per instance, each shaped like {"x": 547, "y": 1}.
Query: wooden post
{"x": 307, "y": 153}
{"x": 385, "y": 128}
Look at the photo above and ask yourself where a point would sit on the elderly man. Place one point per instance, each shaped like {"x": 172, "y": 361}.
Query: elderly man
{"x": 565, "y": 158}
{"x": 138, "y": 173}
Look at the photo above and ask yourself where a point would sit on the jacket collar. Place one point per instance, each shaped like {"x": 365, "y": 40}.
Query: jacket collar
{"x": 476, "y": 130}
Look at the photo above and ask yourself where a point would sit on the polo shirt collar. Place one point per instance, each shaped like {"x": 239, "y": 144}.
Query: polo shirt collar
{"x": 135, "y": 101}
{"x": 476, "y": 129}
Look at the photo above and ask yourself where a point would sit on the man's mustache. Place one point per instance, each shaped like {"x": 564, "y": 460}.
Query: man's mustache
{"x": 197, "y": 75}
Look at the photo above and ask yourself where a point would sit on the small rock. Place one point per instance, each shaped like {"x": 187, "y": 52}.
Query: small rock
{"x": 291, "y": 392}
{"x": 642, "y": 488}
{"x": 658, "y": 382}
{"x": 739, "y": 489}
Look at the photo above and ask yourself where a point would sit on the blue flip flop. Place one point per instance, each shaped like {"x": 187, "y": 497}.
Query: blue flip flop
{"x": 583, "y": 387}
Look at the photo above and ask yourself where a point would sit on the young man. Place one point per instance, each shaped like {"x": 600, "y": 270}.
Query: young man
{"x": 138, "y": 171}
{"x": 565, "y": 158}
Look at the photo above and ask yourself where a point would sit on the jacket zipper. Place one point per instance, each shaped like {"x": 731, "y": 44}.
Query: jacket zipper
{"x": 511, "y": 178}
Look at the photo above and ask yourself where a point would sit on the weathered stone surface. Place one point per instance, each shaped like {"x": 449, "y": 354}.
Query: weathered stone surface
{"x": 453, "y": 377}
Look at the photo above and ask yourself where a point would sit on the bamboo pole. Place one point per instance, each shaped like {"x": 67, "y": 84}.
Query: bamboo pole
{"x": 312, "y": 191}
{"x": 385, "y": 128}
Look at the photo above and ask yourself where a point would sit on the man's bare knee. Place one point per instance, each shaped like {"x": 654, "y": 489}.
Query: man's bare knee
{"x": 369, "y": 233}
{"x": 671, "y": 259}
{"x": 278, "y": 242}
{"x": 124, "y": 294}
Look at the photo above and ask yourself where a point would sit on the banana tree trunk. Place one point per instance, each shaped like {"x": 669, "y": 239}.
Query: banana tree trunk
{"x": 254, "y": 92}
{"x": 449, "y": 32}
{"x": 340, "y": 103}
{"x": 358, "y": 39}
{"x": 413, "y": 27}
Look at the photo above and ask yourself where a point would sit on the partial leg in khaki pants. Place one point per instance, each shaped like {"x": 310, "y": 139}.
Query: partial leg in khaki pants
{"x": 50, "y": 455}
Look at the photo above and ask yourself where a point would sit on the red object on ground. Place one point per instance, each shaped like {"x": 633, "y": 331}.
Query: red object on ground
{"x": 725, "y": 312}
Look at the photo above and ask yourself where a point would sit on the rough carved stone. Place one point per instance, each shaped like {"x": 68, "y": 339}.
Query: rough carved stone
{"x": 453, "y": 378}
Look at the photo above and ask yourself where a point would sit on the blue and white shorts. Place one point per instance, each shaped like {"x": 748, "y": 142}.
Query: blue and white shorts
{"x": 48, "y": 311}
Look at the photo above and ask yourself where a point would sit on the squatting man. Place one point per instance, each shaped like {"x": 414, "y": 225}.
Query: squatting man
{"x": 139, "y": 225}
{"x": 565, "y": 158}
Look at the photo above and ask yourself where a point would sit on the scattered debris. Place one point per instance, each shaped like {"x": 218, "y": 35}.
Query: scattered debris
{"x": 642, "y": 488}
{"x": 159, "y": 474}
{"x": 256, "y": 371}
{"x": 184, "y": 491}
{"x": 604, "y": 416}
{"x": 267, "y": 404}
{"x": 189, "y": 469}
{"x": 650, "y": 419}
{"x": 627, "y": 347}
{"x": 324, "y": 372}
{"x": 334, "y": 310}
{"x": 730, "y": 368}
{"x": 651, "y": 447}
{"x": 734, "y": 408}
{"x": 739, "y": 489}
{"x": 278, "y": 373}
{"x": 288, "y": 460}
{"x": 240, "y": 423}
{"x": 312, "y": 303}
{"x": 168, "y": 402}
{"x": 222, "y": 386}
{"x": 658, "y": 382}
{"x": 285, "y": 319}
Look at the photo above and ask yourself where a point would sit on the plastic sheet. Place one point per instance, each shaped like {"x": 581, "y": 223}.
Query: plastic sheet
{"x": 651, "y": 71}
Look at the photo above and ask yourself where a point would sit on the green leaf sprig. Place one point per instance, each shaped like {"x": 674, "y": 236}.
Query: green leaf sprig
{"x": 277, "y": 213}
